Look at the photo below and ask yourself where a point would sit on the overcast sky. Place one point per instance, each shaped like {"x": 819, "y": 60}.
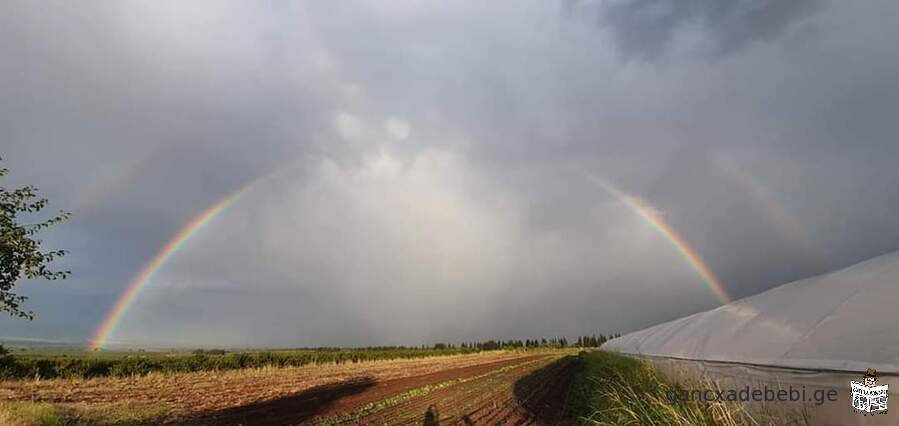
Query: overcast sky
{"x": 430, "y": 171}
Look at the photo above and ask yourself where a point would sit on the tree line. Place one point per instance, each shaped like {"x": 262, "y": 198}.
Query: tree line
{"x": 593, "y": 341}
{"x": 86, "y": 365}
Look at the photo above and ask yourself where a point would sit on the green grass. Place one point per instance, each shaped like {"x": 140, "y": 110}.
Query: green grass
{"x": 123, "y": 364}
{"x": 32, "y": 413}
{"x": 26, "y": 413}
{"x": 74, "y": 362}
{"x": 612, "y": 389}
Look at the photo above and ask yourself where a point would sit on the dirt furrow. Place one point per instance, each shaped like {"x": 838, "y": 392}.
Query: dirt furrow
{"x": 451, "y": 399}
{"x": 530, "y": 392}
{"x": 396, "y": 405}
{"x": 532, "y": 400}
{"x": 326, "y": 401}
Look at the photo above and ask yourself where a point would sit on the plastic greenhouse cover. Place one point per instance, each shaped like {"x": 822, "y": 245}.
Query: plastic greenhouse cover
{"x": 847, "y": 320}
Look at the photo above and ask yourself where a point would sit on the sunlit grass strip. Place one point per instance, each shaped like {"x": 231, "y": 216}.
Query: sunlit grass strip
{"x": 611, "y": 389}
{"x": 24, "y": 413}
{"x": 28, "y": 413}
{"x": 397, "y": 399}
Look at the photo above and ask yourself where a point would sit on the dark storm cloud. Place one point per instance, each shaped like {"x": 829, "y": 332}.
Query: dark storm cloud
{"x": 646, "y": 27}
{"x": 146, "y": 119}
{"x": 431, "y": 175}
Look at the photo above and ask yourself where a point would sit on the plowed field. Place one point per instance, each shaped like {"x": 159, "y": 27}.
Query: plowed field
{"x": 492, "y": 388}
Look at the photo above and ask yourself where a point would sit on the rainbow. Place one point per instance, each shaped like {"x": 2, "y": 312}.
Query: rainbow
{"x": 105, "y": 329}
{"x": 652, "y": 216}
{"x": 126, "y": 299}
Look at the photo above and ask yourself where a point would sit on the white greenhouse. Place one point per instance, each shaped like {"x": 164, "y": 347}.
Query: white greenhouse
{"x": 818, "y": 333}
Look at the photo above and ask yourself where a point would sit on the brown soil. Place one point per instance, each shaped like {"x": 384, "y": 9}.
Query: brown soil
{"x": 188, "y": 395}
{"x": 488, "y": 388}
{"x": 532, "y": 391}
{"x": 344, "y": 397}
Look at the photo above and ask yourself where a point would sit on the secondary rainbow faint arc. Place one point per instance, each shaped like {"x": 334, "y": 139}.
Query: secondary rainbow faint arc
{"x": 654, "y": 218}
{"x": 146, "y": 273}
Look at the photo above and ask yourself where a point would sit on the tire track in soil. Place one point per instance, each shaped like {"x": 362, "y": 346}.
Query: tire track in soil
{"x": 498, "y": 399}
{"x": 547, "y": 402}
{"x": 453, "y": 397}
{"x": 532, "y": 392}
{"x": 538, "y": 398}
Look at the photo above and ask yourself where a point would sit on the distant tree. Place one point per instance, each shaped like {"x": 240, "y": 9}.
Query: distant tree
{"x": 5, "y": 358}
{"x": 20, "y": 251}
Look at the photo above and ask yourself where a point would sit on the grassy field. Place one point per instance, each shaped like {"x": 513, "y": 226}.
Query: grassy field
{"x": 75, "y": 363}
{"x": 72, "y": 365}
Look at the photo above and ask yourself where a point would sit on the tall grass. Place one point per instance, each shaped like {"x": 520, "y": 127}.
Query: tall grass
{"x": 611, "y": 389}
{"x": 31, "y": 413}
{"x": 28, "y": 413}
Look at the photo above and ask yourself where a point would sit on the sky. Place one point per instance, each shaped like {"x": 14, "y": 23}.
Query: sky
{"x": 421, "y": 171}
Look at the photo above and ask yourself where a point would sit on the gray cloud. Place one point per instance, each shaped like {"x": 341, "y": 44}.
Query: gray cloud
{"x": 427, "y": 181}
{"x": 647, "y": 27}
